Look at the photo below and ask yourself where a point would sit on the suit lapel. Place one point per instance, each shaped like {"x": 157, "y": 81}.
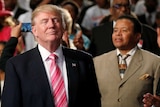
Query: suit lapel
{"x": 39, "y": 75}
{"x": 135, "y": 64}
{"x": 113, "y": 61}
{"x": 72, "y": 74}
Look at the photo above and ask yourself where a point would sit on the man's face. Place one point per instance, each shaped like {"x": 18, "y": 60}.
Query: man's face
{"x": 48, "y": 28}
{"x": 119, "y": 8}
{"x": 123, "y": 36}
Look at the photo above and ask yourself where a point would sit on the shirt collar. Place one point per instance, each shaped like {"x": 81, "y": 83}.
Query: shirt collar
{"x": 131, "y": 52}
{"x": 45, "y": 53}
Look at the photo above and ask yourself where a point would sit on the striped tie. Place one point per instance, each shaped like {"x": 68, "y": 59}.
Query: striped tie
{"x": 57, "y": 82}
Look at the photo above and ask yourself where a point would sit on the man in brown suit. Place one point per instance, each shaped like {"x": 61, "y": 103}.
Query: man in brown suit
{"x": 141, "y": 75}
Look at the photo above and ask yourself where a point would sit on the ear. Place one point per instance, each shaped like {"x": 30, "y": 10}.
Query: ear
{"x": 34, "y": 31}
{"x": 138, "y": 36}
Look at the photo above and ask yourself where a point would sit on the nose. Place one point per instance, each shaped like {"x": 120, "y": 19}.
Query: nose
{"x": 118, "y": 33}
{"x": 51, "y": 23}
{"x": 124, "y": 9}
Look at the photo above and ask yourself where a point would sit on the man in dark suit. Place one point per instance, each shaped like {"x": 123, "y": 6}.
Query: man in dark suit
{"x": 149, "y": 17}
{"x": 101, "y": 35}
{"x": 28, "y": 79}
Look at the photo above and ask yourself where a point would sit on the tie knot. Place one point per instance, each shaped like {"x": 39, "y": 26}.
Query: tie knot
{"x": 53, "y": 57}
{"x": 124, "y": 57}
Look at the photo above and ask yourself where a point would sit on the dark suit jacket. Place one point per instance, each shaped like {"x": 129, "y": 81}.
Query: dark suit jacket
{"x": 142, "y": 19}
{"x": 102, "y": 39}
{"x": 26, "y": 83}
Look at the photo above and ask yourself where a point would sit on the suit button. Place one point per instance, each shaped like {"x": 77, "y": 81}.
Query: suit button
{"x": 119, "y": 100}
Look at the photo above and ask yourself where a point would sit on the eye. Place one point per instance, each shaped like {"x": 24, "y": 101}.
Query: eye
{"x": 56, "y": 20}
{"x": 124, "y": 30}
{"x": 115, "y": 30}
{"x": 44, "y": 21}
{"x": 117, "y": 6}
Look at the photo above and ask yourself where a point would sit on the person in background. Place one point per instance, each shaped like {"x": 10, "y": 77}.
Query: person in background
{"x": 68, "y": 29}
{"x": 77, "y": 40}
{"x": 158, "y": 27}
{"x": 2, "y": 44}
{"x": 94, "y": 15}
{"x": 158, "y": 37}
{"x": 6, "y": 23}
{"x": 29, "y": 77}
{"x": 158, "y": 19}
{"x": 149, "y": 15}
{"x": 101, "y": 40}
{"x": 149, "y": 99}
{"x": 8, "y": 52}
{"x": 12, "y": 5}
{"x": 124, "y": 84}
{"x": 10, "y": 46}
{"x": 29, "y": 39}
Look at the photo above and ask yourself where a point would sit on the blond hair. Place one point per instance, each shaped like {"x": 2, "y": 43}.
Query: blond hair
{"x": 68, "y": 20}
{"x": 48, "y": 8}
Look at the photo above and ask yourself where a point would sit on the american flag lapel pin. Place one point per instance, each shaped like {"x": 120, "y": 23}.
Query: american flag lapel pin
{"x": 73, "y": 64}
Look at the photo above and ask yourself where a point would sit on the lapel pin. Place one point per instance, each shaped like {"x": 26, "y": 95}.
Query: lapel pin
{"x": 73, "y": 65}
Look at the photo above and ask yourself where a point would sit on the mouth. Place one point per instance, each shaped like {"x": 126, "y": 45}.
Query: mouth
{"x": 118, "y": 39}
{"x": 53, "y": 32}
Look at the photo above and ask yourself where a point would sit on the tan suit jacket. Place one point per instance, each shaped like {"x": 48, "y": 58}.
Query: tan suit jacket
{"x": 140, "y": 77}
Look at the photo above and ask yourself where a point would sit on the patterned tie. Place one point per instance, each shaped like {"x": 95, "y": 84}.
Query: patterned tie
{"x": 122, "y": 65}
{"x": 57, "y": 82}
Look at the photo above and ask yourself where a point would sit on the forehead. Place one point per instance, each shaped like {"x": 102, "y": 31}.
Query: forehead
{"x": 47, "y": 14}
{"x": 120, "y": 1}
{"x": 124, "y": 22}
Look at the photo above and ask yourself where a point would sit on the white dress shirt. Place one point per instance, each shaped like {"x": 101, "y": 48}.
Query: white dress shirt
{"x": 60, "y": 61}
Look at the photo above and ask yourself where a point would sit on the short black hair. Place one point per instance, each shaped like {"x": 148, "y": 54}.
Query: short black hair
{"x": 136, "y": 23}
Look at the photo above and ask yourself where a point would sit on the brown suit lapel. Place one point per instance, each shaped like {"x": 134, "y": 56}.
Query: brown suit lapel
{"x": 133, "y": 67}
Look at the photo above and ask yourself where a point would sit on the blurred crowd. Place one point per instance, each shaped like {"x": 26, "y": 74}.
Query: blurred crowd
{"x": 85, "y": 15}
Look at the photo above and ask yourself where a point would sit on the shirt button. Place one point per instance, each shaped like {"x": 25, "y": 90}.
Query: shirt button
{"x": 119, "y": 100}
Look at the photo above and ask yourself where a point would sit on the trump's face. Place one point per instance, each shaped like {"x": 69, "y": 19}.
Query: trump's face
{"x": 48, "y": 28}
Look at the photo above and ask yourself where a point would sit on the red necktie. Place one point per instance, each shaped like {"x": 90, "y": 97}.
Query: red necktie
{"x": 57, "y": 82}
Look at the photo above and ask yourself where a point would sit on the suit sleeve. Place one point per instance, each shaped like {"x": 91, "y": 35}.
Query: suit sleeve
{"x": 11, "y": 96}
{"x": 8, "y": 52}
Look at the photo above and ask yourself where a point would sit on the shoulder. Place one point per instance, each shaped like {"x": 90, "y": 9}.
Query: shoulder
{"x": 26, "y": 56}
{"x": 92, "y": 8}
{"x": 76, "y": 54}
{"x": 149, "y": 54}
{"x": 148, "y": 28}
{"x": 106, "y": 56}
